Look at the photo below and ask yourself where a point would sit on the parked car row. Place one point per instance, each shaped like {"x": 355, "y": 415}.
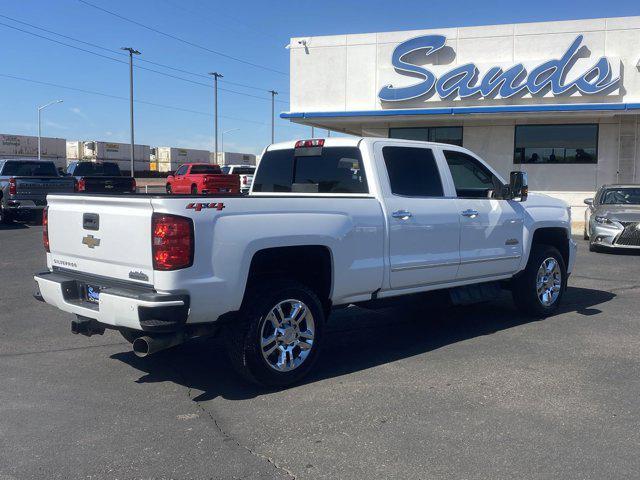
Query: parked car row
{"x": 24, "y": 184}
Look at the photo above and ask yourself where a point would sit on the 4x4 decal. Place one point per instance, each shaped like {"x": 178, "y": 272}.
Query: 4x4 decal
{"x": 199, "y": 206}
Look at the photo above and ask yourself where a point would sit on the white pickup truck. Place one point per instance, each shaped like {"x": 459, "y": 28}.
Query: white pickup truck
{"x": 327, "y": 223}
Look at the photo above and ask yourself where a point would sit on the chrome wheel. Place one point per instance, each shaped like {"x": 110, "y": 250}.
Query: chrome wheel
{"x": 287, "y": 334}
{"x": 549, "y": 282}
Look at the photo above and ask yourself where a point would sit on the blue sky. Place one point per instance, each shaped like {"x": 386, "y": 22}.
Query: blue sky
{"x": 251, "y": 31}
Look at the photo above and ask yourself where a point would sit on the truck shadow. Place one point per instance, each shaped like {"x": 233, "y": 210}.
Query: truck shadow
{"x": 356, "y": 339}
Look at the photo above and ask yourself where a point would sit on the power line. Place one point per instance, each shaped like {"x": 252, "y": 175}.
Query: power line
{"x": 106, "y": 49}
{"x": 251, "y": 30}
{"x": 182, "y": 40}
{"x": 117, "y": 97}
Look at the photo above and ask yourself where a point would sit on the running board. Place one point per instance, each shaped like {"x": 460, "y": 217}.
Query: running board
{"x": 479, "y": 292}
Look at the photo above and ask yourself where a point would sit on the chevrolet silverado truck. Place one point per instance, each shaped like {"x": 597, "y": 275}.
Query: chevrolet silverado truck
{"x": 24, "y": 185}
{"x": 100, "y": 177}
{"x": 205, "y": 178}
{"x": 327, "y": 223}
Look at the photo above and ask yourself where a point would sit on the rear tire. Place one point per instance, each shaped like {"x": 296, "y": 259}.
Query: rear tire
{"x": 194, "y": 190}
{"x": 5, "y": 217}
{"x": 295, "y": 345}
{"x": 538, "y": 290}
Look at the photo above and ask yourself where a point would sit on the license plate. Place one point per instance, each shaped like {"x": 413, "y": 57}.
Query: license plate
{"x": 223, "y": 190}
{"x": 92, "y": 293}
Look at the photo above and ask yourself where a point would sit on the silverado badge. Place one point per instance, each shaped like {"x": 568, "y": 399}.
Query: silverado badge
{"x": 91, "y": 241}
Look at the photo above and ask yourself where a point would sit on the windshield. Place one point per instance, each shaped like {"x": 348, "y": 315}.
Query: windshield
{"x": 244, "y": 170}
{"x": 621, "y": 196}
{"x": 90, "y": 169}
{"x": 205, "y": 169}
{"x": 30, "y": 169}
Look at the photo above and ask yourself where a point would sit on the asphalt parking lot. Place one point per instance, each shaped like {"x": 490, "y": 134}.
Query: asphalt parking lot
{"x": 413, "y": 393}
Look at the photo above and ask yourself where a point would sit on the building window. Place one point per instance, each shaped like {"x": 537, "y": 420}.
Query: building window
{"x": 450, "y": 135}
{"x": 556, "y": 144}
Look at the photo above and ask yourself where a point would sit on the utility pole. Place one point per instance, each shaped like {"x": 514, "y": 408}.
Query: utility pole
{"x": 132, "y": 52}
{"x": 40, "y": 124}
{"x": 273, "y": 114}
{"x": 313, "y": 132}
{"x": 215, "y": 76}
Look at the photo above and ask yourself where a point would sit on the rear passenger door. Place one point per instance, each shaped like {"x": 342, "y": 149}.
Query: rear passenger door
{"x": 424, "y": 225}
{"x": 491, "y": 228}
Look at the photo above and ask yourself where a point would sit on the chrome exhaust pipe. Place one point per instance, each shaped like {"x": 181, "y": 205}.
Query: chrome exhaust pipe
{"x": 145, "y": 346}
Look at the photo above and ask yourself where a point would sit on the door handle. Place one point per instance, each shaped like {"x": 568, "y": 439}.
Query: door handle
{"x": 470, "y": 213}
{"x": 402, "y": 214}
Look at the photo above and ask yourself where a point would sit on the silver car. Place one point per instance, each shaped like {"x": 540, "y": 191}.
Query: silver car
{"x": 613, "y": 217}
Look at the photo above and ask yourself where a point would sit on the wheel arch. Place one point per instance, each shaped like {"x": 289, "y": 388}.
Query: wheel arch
{"x": 557, "y": 237}
{"x": 311, "y": 265}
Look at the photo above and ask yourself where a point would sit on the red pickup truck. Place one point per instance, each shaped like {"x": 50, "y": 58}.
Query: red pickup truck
{"x": 195, "y": 178}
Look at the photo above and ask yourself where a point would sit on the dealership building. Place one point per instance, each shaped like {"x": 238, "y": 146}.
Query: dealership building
{"x": 559, "y": 100}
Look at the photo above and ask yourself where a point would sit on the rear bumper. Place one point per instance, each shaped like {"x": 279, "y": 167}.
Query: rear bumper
{"x": 120, "y": 305}
{"x": 16, "y": 205}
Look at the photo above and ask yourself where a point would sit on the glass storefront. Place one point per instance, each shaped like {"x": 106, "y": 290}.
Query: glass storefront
{"x": 450, "y": 135}
{"x": 556, "y": 144}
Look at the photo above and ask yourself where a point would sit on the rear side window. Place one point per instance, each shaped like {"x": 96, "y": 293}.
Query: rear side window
{"x": 331, "y": 170}
{"x": 413, "y": 172}
{"x": 30, "y": 169}
{"x": 205, "y": 169}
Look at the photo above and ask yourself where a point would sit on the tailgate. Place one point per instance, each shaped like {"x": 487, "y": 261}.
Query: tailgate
{"x": 106, "y": 236}
{"x": 223, "y": 180}
{"x": 107, "y": 184}
{"x": 41, "y": 186}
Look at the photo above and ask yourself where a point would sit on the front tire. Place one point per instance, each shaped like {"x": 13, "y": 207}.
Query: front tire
{"x": 168, "y": 187}
{"x": 538, "y": 290}
{"x": 277, "y": 338}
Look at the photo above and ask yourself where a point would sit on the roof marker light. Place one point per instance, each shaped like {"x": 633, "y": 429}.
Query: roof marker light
{"x": 316, "y": 142}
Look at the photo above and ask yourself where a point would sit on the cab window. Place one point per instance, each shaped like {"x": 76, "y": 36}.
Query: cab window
{"x": 470, "y": 177}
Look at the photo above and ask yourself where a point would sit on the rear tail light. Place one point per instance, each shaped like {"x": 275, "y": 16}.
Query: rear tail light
{"x": 81, "y": 185}
{"x": 316, "y": 142}
{"x": 172, "y": 241}
{"x": 245, "y": 180}
{"x": 134, "y": 185}
{"x": 13, "y": 187}
{"x": 45, "y": 229}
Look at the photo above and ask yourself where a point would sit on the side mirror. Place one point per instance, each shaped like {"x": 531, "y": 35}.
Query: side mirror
{"x": 588, "y": 201}
{"x": 518, "y": 187}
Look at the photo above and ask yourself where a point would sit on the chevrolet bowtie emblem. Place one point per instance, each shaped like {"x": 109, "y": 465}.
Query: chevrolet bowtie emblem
{"x": 91, "y": 241}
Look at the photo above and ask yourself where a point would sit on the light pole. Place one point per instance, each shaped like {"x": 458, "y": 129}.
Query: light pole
{"x": 40, "y": 124}
{"x": 215, "y": 76}
{"x": 132, "y": 52}
{"x": 226, "y": 131}
{"x": 273, "y": 114}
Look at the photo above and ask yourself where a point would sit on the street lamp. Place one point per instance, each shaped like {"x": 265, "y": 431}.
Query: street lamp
{"x": 40, "y": 124}
{"x": 216, "y": 76}
{"x": 226, "y": 131}
{"x": 132, "y": 52}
